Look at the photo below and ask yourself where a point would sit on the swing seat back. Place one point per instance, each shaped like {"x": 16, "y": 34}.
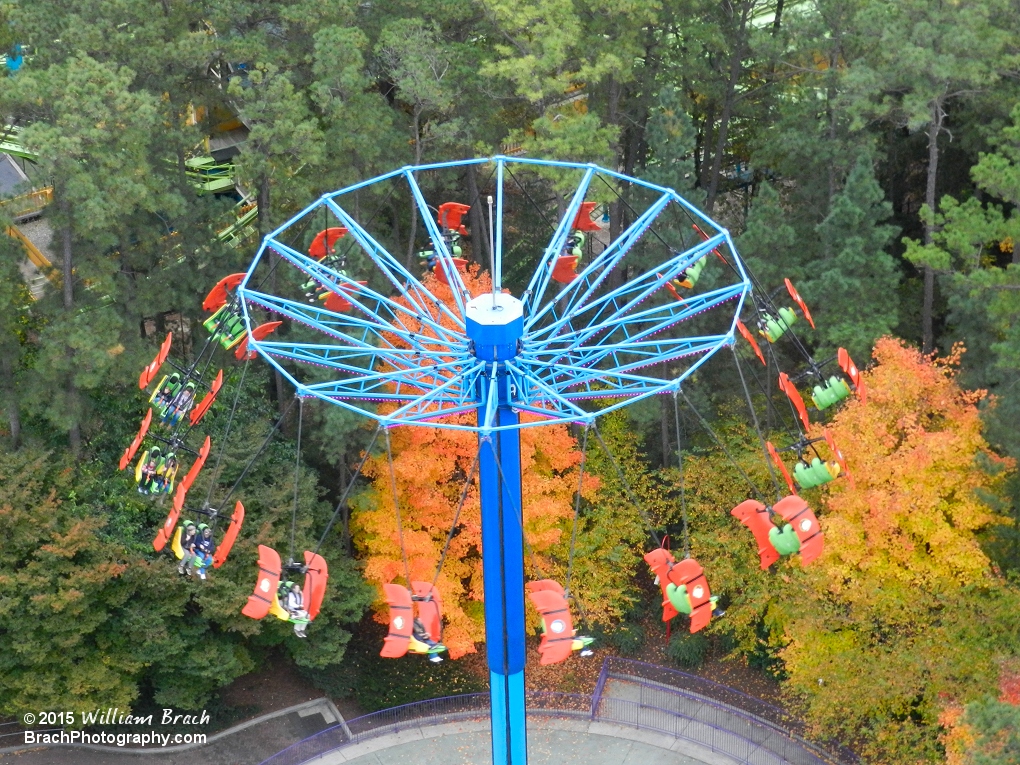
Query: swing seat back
{"x": 166, "y": 531}
{"x": 176, "y": 544}
{"x": 217, "y": 297}
{"x": 207, "y": 401}
{"x": 323, "y": 243}
{"x": 259, "y": 333}
{"x": 583, "y": 221}
{"x": 690, "y": 573}
{"x": 459, "y": 263}
{"x": 660, "y": 561}
{"x": 774, "y": 327}
{"x": 796, "y": 512}
{"x": 261, "y": 601}
{"x": 851, "y": 370}
{"x": 152, "y": 369}
{"x": 236, "y": 520}
{"x": 755, "y": 516}
{"x": 450, "y": 215}
{"x": 316, "y": 579}
{"x": 565, "y": 269}
{"x": 548, "y": 599}
{"x": 834, "y": 391}
{"x": 815, "y": 474}
{"x": 279, "y": 611}
{"x": 694, "y": 270}
{"x": 401, "y": 621}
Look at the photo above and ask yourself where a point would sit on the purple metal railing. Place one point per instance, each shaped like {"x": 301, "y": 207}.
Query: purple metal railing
{"x": 719, "y": 705}
{"x": 740, "y": 737}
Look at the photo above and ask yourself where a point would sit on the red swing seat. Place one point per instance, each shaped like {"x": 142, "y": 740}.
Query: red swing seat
{"x": 270, "y": 569}
{"x": 558, "y": 630}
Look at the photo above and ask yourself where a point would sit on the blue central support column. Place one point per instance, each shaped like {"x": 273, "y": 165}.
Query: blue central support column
{"x": 495, "y": 324}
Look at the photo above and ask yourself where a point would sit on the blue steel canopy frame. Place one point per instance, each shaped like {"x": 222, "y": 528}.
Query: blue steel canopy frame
{"x": 542, "y": 354}
{"x": 583, "y": 340}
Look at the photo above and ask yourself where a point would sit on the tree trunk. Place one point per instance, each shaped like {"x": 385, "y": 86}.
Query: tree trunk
{"x": 736, "y": 59}
{"x": 479, "y": 251}
{"x": 707, "y": 137}
{"x": 927, "y": 319}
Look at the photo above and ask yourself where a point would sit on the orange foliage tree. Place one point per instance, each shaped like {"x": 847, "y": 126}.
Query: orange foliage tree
{"x": 430, "y": 468}
{"x": 903, "y": 611}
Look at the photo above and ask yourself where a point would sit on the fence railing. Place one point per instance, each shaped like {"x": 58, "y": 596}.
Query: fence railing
{"x": 708, "y": 724}
{"x": 719, "y": 705}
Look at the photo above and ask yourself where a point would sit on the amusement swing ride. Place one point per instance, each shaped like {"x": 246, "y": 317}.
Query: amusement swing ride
{"x": 610, "y": 319}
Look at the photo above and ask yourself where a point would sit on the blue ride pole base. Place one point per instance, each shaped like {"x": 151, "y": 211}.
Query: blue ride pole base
{"x": 494, "y": 325}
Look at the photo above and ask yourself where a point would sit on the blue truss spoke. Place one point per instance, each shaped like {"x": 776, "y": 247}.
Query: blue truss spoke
{"x": 534, "y": 381}
{"x": 632, "y": 335}
{"x": 603, "y": 264}
{"x": 421, "y": 299}
{"x": 339, "y": 325}
{"x": 457, "y": 288}
{"x": 397, "y": 373}
{"x": 433, "y": 396}
{"x": 670, "y": 313}
{"x": 535, "y": 292}
{"x": 574, "y": 376}
{"x": 638, "y": 287}
{"x": 667, "y": 353}
{"x": 636, "y": 291}
{"x": 330, "y": 278}
{"x": 332, "y": 352}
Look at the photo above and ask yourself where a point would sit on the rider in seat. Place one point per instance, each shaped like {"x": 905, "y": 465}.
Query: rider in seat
{"x": 420, "y": 634}
{"x": 202, "y": 551}
{"x": 294, "y": 604}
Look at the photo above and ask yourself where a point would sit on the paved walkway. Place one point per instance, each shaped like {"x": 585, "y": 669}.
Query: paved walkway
{"x": 551, "y": 741}
{"x": 246, "y": 744}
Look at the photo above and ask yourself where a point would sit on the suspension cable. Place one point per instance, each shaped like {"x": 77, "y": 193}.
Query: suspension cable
{"x": 577, "y": 509}
{"x": 350, "y": 487}
{"x": 720, "y": 444}
{"x": 680, "y": 465}
{"x": 623, "y": 480}
{"x": 226, "y": 434}
{"x": 258, "y": 454}
{"x": 757, "y": 427}
{"x": 396, "y": 505}
{"x": 456, "y": 515}
{"x": 297, "y": 475}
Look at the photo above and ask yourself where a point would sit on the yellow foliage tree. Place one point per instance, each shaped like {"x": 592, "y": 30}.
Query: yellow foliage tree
{"x": 903, "y": 610}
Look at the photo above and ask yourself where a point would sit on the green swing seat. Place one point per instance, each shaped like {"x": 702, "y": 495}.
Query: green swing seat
{"x": 834, "y": 391}
{"x": 814, "y": 474}
{"x": 776, "y": 326}
{"x": 229, "y": 324}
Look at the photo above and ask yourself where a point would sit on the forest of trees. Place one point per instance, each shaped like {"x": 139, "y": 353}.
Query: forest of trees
{"x": 867, "y": 149}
